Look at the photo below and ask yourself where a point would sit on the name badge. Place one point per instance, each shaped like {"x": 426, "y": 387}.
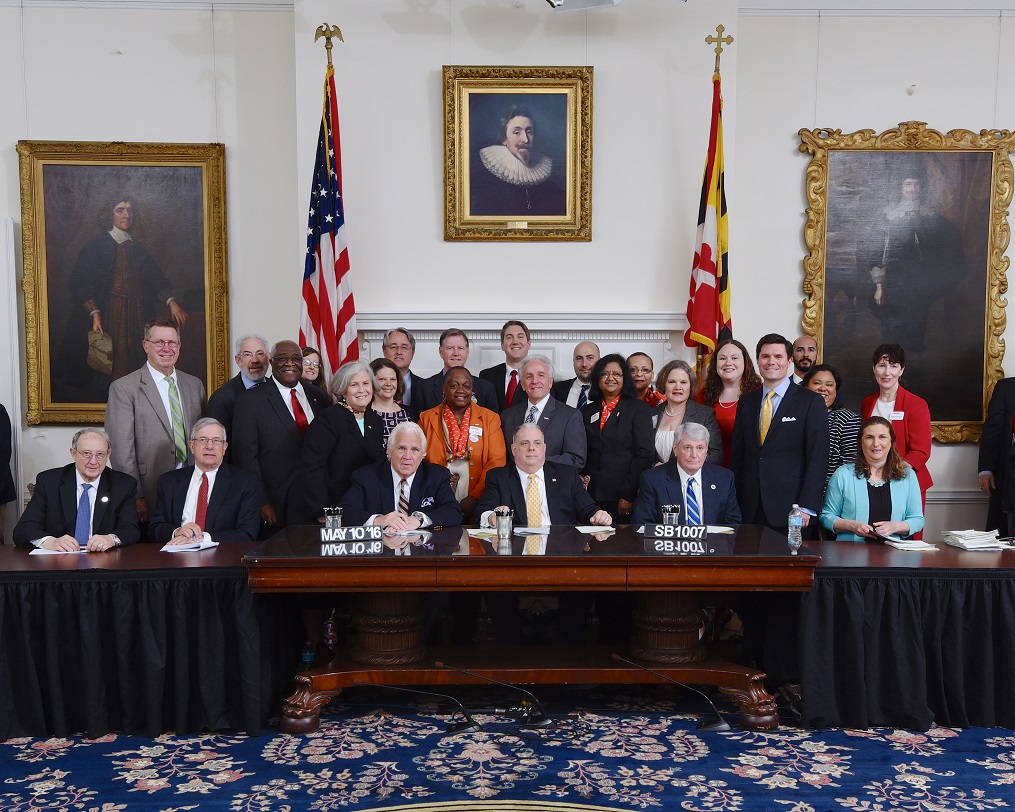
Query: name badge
{"x": 594, "y": 418}
{"x": 898, "y": 416}
{"x": 475, "y": 432}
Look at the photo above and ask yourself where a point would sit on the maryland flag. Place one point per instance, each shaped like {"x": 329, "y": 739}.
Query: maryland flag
{"x": 708, "y": 308}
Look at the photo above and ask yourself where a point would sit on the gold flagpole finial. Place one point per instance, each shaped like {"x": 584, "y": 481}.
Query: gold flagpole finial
{"x": 718, "y": 41}
{"x": 329, "y": 32}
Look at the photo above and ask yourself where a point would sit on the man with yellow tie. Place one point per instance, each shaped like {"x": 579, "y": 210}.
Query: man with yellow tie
{"x": 780, "y": 442}
{"x": 541, "y": 493}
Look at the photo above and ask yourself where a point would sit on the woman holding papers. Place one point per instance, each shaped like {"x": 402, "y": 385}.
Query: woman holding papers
{"x": 879, "y": 493}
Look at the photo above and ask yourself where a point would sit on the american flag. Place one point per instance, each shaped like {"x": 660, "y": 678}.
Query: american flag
{"x": 708, "y": 308}
{"x": 328, "y": 313}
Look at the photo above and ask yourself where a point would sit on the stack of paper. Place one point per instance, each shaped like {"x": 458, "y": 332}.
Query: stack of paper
{"x": 974, "y": 540}
{"x": 911, "y": 544}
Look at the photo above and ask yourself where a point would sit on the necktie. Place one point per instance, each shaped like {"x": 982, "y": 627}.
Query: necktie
{"x": 299, "y": 414}
{"x": 533, "y": 503}
{"x": 512, "y": 387}
{"x": 531, "y": 416}
{"x": 532, "y": 545}
{"x": 83, "y": 522}
{"x": 693, "y": 515}
{"x": 176, "y": 413}
{"x": 766, "y": 417}
{"x": 201, "y": 513}
{"x": 583, "y": 396}
{"x": 403, "y": 498}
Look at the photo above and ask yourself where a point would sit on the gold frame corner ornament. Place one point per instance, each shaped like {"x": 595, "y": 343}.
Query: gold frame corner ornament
{"x": 575, "y": 84}
{"x": 915, "y": 137}
{"x": 33, "y": 157}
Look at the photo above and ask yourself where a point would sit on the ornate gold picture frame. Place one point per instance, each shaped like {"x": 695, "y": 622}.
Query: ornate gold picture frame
{"x": 907, "y": 231}
{"x": 115, "y": 234}
{"x": 517, "y": 153}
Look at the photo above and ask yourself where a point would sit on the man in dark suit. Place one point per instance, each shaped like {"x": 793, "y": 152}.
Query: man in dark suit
{"x": 268, "y": 427}
{"x": 252, "y": 358}
{"x": 505, "y": 378}
{"x": 562, "y": 498}
{"x": 454, "y": 351}
{"x": 780, "y": 451}
{"x": 84, "y": 505}
{"x": 715, "y": 495}
{"x": 575, "y": 391}
{"x": 403, "y": 492}
{"x": 996, "y": 458}
{"x": 399, "y": 347}
{"x": 149, "y": 412}
{"x": 8, "y": 493}
{"x": 561, "y": 425}
{"x": 209, "y": 500}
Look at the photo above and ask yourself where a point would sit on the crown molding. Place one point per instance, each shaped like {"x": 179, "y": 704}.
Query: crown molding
{"x": 155, "y": 5}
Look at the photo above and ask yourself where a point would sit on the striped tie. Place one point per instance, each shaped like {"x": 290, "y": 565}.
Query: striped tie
{"x": 693, "y": 516}
{"x": 403, "y": 498}
{"x": 179, "y": 430}
{"x": 583, "y": 399}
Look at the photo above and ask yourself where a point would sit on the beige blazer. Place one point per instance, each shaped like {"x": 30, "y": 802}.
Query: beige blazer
{"x": 140, "y": 430}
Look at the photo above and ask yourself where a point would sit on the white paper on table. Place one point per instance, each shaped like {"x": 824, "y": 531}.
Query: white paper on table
{"x": 45, "y": 551}
{"x": 190, "y": 546}
{"x": 912, "y": 546}
{"x": 533, "y": 531}
{"x": 718, "y": 528}
{"x": 479, "y": 533}
{"x": 591, "y": 528}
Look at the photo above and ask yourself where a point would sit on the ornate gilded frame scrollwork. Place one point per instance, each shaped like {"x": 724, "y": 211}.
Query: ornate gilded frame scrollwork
{"x": 560, "y": 99}
{"x": 909, "y": 139}
{"x": 65, "y": 187}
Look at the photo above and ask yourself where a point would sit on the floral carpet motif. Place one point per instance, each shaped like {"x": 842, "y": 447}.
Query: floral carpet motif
{"x": 621, "y": 748}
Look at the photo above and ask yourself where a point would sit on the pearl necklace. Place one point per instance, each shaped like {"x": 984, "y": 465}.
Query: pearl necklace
{"x": 675, "y": 414}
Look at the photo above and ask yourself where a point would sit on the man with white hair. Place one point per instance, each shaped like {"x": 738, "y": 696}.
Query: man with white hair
{"x": 403, "y": 492}
{"x": 705, "y": 492}
{"x": 563, "y": 432}
{"x": 83, "y": 506}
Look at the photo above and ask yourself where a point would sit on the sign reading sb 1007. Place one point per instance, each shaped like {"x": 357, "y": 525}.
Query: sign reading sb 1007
{"x": 365, "y": 540}
{"x": 677, "y": 539}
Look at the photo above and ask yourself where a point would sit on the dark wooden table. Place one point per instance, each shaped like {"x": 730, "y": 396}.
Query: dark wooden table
{"x": 667, "y": 618}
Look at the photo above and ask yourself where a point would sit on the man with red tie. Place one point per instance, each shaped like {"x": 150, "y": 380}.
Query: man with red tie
{"x": 269, "y": 422}
{"x": 506, "y": 377}
{"x": 209, "y": 500}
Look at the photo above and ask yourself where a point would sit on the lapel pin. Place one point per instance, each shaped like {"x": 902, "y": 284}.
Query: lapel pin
{"x": 712, "y": 486}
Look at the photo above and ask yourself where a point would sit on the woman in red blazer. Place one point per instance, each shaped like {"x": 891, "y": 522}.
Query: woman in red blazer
{"x": 909, "y": 414}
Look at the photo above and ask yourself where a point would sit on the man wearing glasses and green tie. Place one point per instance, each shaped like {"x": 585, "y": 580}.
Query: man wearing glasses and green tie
{"x": 84, "y": 506}
{"x": 210, "y": 500}
{"x": 149, "y": 412}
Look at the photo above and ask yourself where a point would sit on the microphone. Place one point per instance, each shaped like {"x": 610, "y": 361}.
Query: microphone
{"x": 720, "y": 725}
{"x": 468, "y": 725}
{"x": 533, "y": 715}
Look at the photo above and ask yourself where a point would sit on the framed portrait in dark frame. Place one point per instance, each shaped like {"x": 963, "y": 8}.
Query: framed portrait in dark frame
{"x": 907, "y": 231}
{"x": 115, "y": 235}
{"x": 518, "y": 152}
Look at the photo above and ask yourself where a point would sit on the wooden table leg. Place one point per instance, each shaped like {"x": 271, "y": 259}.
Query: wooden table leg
{"x": 389, "y": 628}
{"x": 667, "y": 628}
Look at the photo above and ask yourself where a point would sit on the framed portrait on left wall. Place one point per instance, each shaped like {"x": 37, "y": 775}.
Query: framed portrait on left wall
{"x": 517, "y": 153}
{"x": 115, "y": 235}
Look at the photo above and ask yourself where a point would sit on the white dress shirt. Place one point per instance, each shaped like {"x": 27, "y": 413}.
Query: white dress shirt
{"x": 301, "y": 396}
{"x": 190, "y": 504}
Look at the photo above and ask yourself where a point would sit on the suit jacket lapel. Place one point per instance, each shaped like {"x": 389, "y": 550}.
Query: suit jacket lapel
{"x": 387, "y": 480}
{"x": 281, "y": 409}
{"x": 785, "y": 406}
{"x": 547, "y": 415}
{"x": 552, "y": 485}
{"x": 151, "y": 392}
{"x": 516, "y": 492}
{"x": 675, "y": 493}
{"x": 68, "y": 498}
{"x": 102, "y": 491}
{"x": 218, "y": 495}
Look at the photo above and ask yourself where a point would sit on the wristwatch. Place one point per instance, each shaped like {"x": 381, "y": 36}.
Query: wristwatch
{"x": 420, "y": 517}
{"x": 116, "y": 540}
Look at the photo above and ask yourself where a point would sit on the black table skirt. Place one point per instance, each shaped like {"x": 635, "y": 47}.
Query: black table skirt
{"x": 908, "y": 649}
{"x": 139, "y": 652}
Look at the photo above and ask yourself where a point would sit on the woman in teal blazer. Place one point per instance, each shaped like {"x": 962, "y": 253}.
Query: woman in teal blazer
{"x": 855, "y": 491}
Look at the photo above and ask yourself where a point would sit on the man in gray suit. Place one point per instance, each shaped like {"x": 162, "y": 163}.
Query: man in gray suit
{"x": 150, "y": 412}
{"x": 562, "y": 427}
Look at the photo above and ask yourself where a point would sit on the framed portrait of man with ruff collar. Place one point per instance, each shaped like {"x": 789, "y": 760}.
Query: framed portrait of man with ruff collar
{"x": 518, "y": 153}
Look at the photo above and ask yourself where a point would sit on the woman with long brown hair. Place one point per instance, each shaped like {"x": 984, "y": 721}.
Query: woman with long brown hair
{"x": 730, "y": 375}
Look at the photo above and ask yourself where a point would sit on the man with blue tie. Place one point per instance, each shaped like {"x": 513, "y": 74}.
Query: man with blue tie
{"x": 705, "y": 492}
{"x": 83, "y": 506}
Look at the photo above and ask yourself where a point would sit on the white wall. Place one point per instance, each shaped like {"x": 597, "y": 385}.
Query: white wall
{"x": 252, "y": 79}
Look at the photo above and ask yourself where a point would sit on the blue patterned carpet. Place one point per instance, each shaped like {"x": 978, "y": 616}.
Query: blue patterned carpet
{"x": 619, "y": 748}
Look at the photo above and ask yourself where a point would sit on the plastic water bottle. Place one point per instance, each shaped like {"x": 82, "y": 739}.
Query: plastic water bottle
{"x": 794, "y": 538}
{"x": 307, "y": 657}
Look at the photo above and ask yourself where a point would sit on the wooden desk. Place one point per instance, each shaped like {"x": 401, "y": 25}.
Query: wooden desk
{"x": 667, "y": 619}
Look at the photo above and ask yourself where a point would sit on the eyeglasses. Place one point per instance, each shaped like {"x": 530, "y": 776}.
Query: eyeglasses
{"x": 161, "y": 343}
{"x": 98, "y": 456}
{"x": 288, "y": 359}
{"x": 640, "y": 370}
{"x": 246, "y": 356}
{"x": 398, "y": 347}
{"x": 312, "y": 364}
{"x": 215, "y": 441}
{"x": 609, "y": 374}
